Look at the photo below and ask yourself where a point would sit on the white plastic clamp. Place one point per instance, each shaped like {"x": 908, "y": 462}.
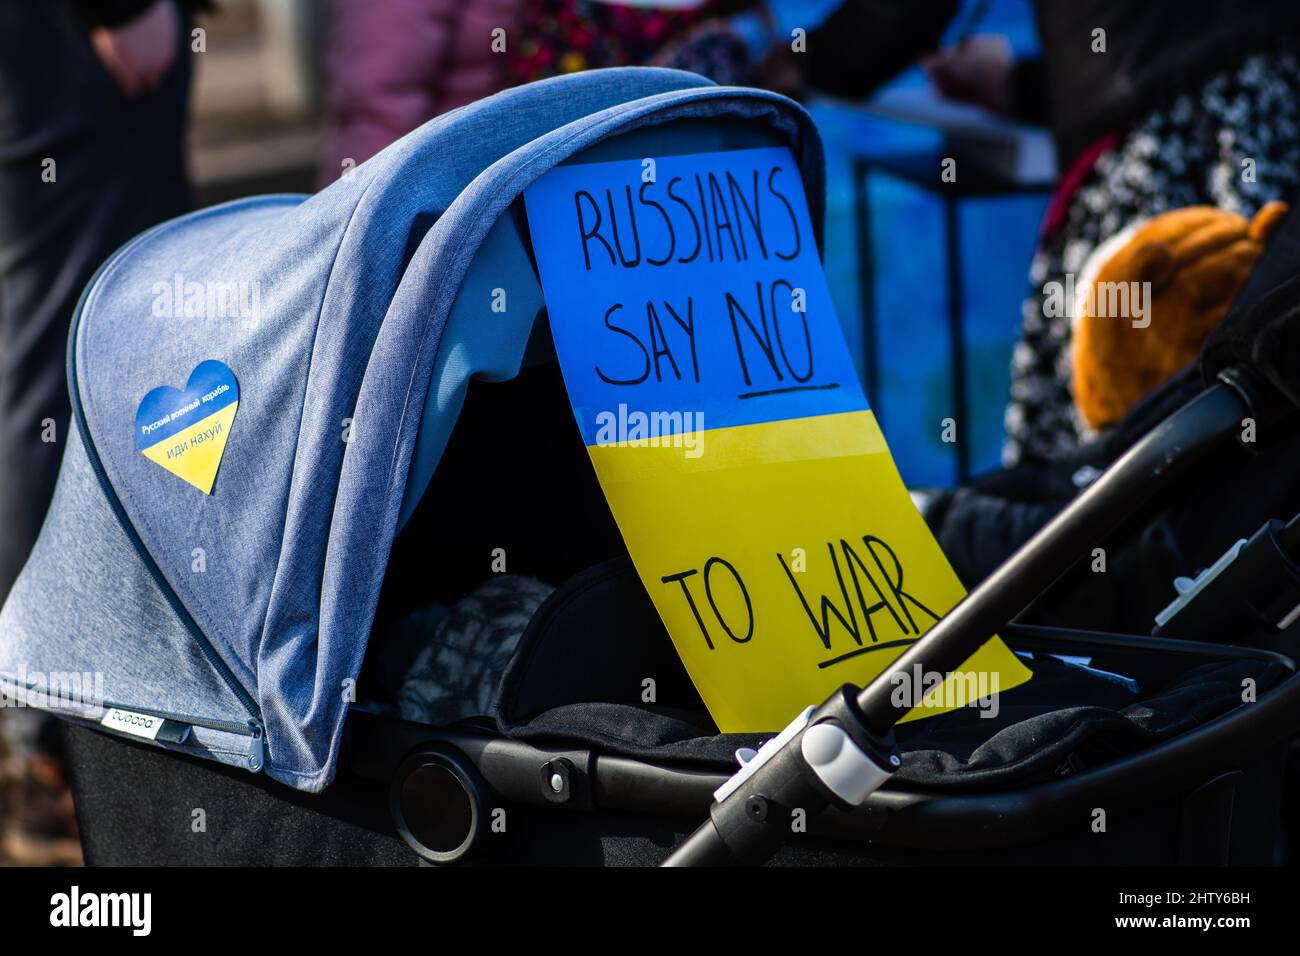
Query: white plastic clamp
{"x": 764, "y": 754}
{"x": 845, "y": 769}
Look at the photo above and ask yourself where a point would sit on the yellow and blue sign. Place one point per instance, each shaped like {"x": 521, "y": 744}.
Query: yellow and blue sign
{"x": 185, "y": 431}
{"x": 731, "y": 437}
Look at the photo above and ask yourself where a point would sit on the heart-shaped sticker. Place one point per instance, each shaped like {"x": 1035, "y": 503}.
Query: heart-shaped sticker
{"x": 186, "y": 431}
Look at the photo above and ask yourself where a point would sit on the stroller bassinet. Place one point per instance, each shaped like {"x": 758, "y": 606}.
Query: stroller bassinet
{"x": 366, "y": 471}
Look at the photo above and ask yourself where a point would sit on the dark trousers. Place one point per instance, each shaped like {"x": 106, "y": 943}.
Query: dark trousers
{"x": 82, "y": 170}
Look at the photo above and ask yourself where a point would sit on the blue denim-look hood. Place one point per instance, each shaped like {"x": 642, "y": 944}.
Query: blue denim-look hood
{"x": 251, "y": 607}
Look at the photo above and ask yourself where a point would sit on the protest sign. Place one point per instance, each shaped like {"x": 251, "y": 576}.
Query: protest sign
{"x": 712, "y": 386}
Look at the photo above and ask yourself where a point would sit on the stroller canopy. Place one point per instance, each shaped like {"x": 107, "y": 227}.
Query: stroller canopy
{"x": 308, "y": 336}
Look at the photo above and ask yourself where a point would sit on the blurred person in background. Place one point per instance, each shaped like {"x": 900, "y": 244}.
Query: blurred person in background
{"x": 93, "y": 99}
{"x": 394, "y": 64}
{"x": 1153, "y": 106}
{"x": 845, "y": 48}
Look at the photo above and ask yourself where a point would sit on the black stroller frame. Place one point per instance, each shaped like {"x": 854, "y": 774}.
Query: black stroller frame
{"x": 737, "y": 830}
{"x": 750, "y": 821}
{"x": 489, "y": 767}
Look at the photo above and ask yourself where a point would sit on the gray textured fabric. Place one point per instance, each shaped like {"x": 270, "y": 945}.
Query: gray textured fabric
{"x": 297, "y": 531}
{"x": 87, "y": 626}
{"x": 85, "y": 603}
{"x": 458, "y": 672}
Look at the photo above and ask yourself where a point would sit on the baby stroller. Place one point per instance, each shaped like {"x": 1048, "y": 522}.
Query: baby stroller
{"x": 211, "y": 651}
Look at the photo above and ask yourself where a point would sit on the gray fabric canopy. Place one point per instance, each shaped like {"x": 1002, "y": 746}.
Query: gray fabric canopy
{"x": 242, "y": 616}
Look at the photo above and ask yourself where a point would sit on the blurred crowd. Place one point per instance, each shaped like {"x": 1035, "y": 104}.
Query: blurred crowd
{"x": 1153, "y": 107}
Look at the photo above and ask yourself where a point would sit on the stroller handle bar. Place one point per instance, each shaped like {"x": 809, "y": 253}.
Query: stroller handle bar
{"x": 750, "y": 813}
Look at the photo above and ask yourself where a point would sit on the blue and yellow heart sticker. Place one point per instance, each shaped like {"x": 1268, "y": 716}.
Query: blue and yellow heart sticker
{"x": 186, "y": 431}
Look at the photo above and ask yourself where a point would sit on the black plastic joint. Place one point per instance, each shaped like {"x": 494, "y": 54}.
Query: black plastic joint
{"x": 1256, "y": 596}
{"x": 565, "y": 779}
{"x": 1250, "y": 389}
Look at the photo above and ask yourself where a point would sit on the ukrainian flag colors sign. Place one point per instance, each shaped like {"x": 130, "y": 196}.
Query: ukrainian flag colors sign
{"x": 185, "y": 431}
{"x": 731, "y": 437}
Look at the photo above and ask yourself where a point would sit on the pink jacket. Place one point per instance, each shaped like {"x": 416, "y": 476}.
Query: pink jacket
{"x": 396, "y": 63}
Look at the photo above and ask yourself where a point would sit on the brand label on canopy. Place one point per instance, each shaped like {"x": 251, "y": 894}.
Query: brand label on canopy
{"x": 186, "y": 431}
{"x": 727, "y": 427}
{"x": 129, "y": 722}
